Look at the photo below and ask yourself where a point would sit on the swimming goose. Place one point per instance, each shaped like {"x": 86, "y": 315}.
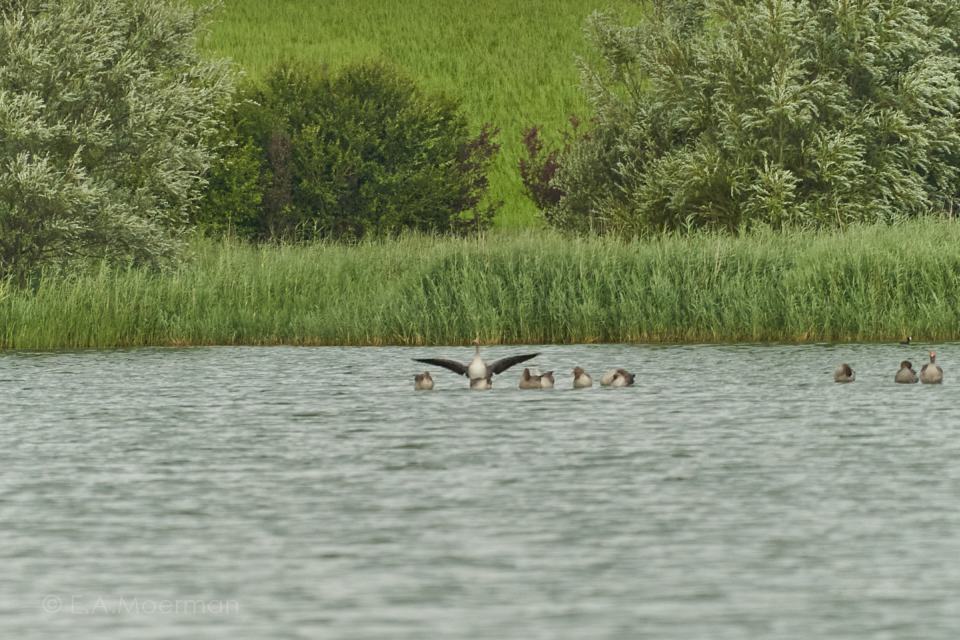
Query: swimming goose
{"x": 844, "y": 373}
{"x": 423, "y": 381}
{"x": 546, "y": 380}
{"x": 529, "y": 381}
{"x": 482, "y": 384}
{"x": 907, "y": 341}
{"x": 622, "y": 379}
{"x": 906, "y": 374}
{"x": 477, "y": 369}
{"x": 611, "y": 375}
{"x": 931, "y": 373}
{"x": 581, "y": 379}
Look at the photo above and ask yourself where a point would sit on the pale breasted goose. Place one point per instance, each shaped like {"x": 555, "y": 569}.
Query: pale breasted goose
{"x": 843, "y": 373}
{"x": 423, "y": 381}
{"x": 931, "y": 373}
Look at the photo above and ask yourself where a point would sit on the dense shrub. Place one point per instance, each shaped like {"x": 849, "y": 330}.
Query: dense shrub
{"x": 731, "y": 113}
{"x": 363, "y": 152}
{"x": 106, "y": 117}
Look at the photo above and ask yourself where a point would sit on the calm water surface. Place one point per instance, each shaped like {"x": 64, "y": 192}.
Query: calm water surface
{"x": 735, "y": 492}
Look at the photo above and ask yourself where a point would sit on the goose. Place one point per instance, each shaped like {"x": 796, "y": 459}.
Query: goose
{"x": 581, "y": 379}
{"x": 610, "y": 376}
{"x": 931, "y": 373}
{"x": 477, "y": 369}
{"x": 907, "y": 341}
{"x": 423, "y": 381}
{"x": 482, "y": 384}
{"x": 622, "y": 379}
{"x": 546, "y": 380}
{"x": 844, "y": 373}
{"x": 529, "y": 381}
{"x": 906, "y": 374}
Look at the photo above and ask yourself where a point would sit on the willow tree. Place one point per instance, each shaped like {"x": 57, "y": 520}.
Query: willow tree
{"x": 730, "y": 113}
{"x": 106, "y": 112}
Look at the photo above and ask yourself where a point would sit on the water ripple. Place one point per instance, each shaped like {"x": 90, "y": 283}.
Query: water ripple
{"x": 735, "y": 492}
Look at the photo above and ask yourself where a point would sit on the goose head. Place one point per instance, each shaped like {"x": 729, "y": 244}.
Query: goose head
{"x": 906, "y": 364}
{"x": 933, "y": 357}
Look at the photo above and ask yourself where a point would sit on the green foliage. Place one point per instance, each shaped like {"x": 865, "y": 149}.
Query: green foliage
{"x": 866, "y": 283}
{"x": 726, "y": 114}
{"x": 106, "y": 111}
{"x": 364, "y": 152}
{"x": 509, "y": 63}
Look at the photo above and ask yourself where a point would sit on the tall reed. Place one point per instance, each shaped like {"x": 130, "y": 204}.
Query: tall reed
{"x": 867, "y": 284}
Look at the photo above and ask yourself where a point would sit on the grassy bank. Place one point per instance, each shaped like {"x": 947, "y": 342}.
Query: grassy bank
{"x": 874, "y": 283}
{"x": 512, "y": 64}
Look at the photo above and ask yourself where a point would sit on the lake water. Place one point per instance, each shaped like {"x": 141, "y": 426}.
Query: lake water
{"x": 734, "y": 492}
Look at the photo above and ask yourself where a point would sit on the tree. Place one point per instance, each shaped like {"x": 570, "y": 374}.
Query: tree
{"x": 362, "y": 152}
{"x": 107, "y": 113}
{"x": 732, "y": 113}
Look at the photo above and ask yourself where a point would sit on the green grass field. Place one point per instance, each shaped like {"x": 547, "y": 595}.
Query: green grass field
{"x": 870, "y": 283}
{"x": 511, "y": 63}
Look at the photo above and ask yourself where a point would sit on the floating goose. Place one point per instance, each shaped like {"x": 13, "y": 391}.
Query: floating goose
{"x": 844, "y": 373}
{"x": 477, "y": 369}
{"x": 907, "y": 341}
{"x": 906, "y": 374}
{"x": 581, "y": 380}
{"x": 611, "y": 375}
{"x": 482, "y": 384}
{"x": 622, "y": 379}
{"x": 529, "y": 381}
{"x": 423, "y": 381}
{"x": 931, "y": 373}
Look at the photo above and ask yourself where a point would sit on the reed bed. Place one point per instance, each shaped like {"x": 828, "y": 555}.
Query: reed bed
{"x": 512, "y": 64}
{"x": 867, "y": 284}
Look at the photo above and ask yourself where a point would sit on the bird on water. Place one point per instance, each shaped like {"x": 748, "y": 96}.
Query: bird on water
{"x": 529, "y": 381}
{"x": 906, "y": 374}
{"x": 907, "y": 341}
{"x": 482, "y": 384}
{"x": 844, "y": 373}
{"x": 423, "y": 381}
{"x": 931, "y": 373}
{"x": 581, "y": 379}
{"x": 610, "y": 378}
{"x": 477, "y": 370}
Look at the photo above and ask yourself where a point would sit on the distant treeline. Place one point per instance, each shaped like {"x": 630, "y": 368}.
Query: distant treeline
{"x": 120, "y": 140}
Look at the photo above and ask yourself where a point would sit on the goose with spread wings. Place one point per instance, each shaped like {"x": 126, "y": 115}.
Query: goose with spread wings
{"x": 478, "y": 369}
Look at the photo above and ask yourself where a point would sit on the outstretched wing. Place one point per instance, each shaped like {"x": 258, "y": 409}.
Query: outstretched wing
{"x": 452, "y": 365}
{"x": 501, "y": 365}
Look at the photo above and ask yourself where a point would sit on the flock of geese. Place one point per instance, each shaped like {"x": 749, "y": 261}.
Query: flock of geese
{"x": 481, "y": 374}
{"x": 930, "y": 373}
